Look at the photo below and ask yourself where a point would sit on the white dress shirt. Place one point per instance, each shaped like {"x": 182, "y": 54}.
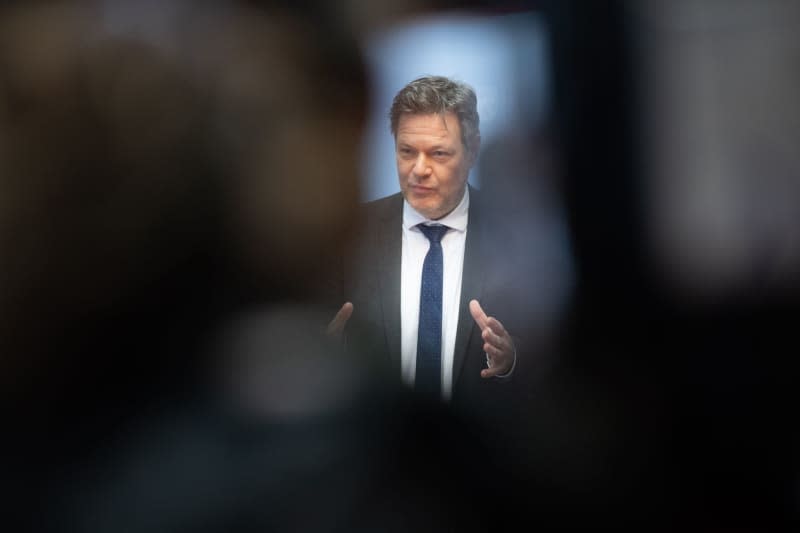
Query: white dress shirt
{"x": 415, "y": 248}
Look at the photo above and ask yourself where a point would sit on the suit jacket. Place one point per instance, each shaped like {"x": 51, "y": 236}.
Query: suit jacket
{"x": 373, "y": 285}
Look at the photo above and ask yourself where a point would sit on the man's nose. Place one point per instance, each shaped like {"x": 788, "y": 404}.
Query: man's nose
{"x": 421, "y": 166}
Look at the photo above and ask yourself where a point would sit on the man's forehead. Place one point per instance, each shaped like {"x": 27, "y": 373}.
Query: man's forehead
{"x": 430, "y": 124}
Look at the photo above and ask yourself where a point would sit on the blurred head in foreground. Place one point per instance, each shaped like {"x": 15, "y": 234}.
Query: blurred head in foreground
{"x": 152, "y": 183}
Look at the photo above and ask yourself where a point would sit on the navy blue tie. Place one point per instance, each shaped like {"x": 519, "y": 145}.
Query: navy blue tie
{"x": 429, "y": 334}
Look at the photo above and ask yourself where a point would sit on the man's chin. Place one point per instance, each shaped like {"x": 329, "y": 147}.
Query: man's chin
{"x": 428, "y": 210}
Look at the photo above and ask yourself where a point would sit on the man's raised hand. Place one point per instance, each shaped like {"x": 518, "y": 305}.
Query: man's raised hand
{"x": 497, "y": 343}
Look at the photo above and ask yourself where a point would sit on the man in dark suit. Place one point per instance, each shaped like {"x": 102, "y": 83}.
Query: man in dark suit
{"x": 435, "y": 123}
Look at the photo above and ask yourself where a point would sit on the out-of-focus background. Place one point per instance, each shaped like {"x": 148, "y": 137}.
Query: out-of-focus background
{"x": 176, "y": 177}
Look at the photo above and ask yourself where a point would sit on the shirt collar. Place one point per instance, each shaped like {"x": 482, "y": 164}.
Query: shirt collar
{"x": 456, "y": 219}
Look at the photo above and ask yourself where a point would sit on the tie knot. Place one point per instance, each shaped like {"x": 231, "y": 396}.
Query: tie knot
{"x": 434, "y": 233}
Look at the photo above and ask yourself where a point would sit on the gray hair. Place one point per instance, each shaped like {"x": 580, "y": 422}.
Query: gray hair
{"x": 437, "y": 94}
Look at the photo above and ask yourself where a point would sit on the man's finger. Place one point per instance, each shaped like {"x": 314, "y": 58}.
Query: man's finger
{"x": 493, "y": 338}
{"x": 502, "y": 342}
{"x": 492, "y": 351}
{"x": 336, "y": 325}
{"x": 477, "y": 313}
{"x": 496, "y": 326}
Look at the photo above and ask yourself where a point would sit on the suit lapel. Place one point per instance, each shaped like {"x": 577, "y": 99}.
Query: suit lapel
{"x": 472, "y": 283}
{"x": 390, "y": 243}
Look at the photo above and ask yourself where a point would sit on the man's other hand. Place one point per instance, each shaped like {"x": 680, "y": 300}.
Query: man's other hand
{"x": 497, "y": 343}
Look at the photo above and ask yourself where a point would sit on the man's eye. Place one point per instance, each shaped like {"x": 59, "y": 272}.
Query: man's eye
{"x": 439, "y": 153}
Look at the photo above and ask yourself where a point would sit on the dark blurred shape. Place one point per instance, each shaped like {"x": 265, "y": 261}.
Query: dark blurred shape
{"x": 721, "y": 179}
{"x": 686, "y": 375}
{"x": 151, "y": 185}
{"x": 108, "y": 214}
{"x": 155, "y": 188}
{"x": 720, "y": 184}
